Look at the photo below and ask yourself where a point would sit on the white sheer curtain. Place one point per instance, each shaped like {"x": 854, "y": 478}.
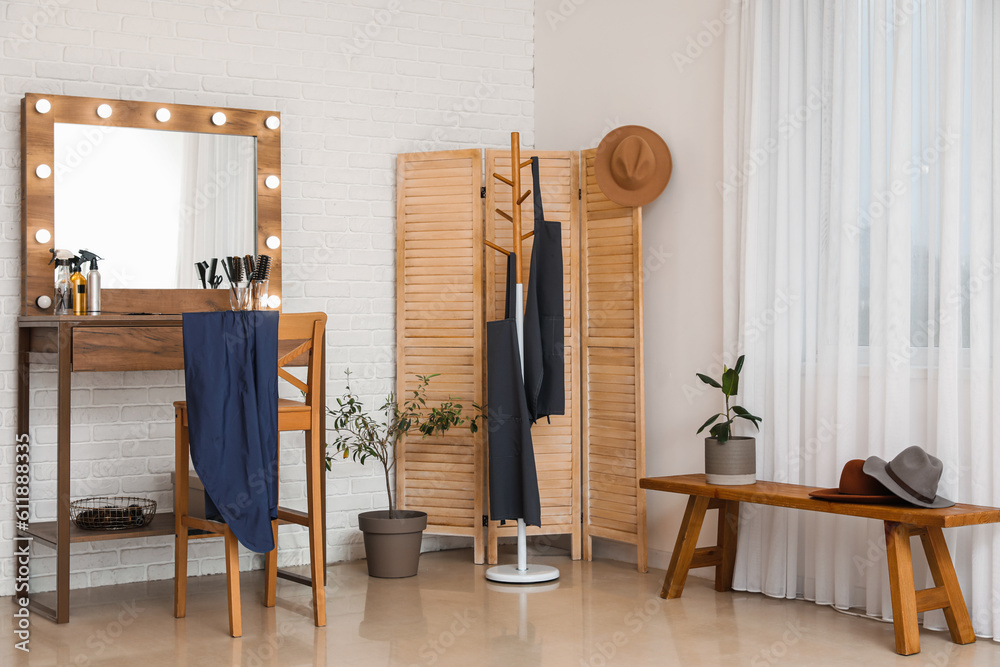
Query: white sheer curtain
{"x": 861, "y": 194}
{"x": 218, "y": 213}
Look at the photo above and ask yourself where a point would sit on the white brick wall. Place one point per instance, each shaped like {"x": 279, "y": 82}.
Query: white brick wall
{"x": 356, "y": 82}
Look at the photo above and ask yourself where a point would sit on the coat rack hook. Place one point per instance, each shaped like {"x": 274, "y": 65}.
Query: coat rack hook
{"x": 506, "y": 215}
{"x": 496, "y": 247}
{"x": 524, "y": 196}
{"x": 503, "y": 179}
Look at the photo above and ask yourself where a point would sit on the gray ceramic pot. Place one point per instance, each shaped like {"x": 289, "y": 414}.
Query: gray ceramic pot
{"x": 392, "y": 546}
{"x": 731, "y": 463}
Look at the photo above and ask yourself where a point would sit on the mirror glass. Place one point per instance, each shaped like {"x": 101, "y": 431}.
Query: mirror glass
{"x": 154, "y": 203}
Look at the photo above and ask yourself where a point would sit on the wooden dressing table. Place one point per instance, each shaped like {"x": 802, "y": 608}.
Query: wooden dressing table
{"x": 98, "y": 343}
{"x": 124, "y": 337}
{"x": 85, "y": 340}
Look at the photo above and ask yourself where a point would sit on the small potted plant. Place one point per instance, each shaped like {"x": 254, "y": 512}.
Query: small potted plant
{"x": 729, "y": 459}
{"x": 393, "y": 536}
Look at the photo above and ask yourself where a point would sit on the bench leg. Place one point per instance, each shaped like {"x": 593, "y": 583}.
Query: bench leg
{"x": 729, "y": 519}
{"x": 904, "y": 595}
{"x": 687, "y": 541}
{"x": 943, "y": 571}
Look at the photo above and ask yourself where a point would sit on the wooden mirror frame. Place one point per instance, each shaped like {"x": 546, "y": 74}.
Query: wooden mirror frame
{"x": 38, "y": 194}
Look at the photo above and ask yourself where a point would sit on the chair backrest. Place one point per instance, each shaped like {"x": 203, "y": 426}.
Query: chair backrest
{"x": 302, "y": 334}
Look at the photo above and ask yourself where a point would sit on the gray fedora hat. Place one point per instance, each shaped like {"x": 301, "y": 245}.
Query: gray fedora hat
{"x": 913, "y": 476}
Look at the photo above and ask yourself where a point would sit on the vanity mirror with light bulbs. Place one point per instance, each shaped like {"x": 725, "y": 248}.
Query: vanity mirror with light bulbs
{"x": 153, "y": 189}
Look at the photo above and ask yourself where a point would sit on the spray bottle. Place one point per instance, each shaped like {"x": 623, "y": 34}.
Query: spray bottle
{"x": 93, "y": 282}
{"x": 79, "y": 287}
{"x": 64, "y": 288}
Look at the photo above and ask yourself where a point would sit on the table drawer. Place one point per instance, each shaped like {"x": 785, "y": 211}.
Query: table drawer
{"x": 127, "y": 348}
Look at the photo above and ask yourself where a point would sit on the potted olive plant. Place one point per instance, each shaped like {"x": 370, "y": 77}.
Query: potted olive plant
{"x": 392, "y": 537}
{"x": 729, "y": 459}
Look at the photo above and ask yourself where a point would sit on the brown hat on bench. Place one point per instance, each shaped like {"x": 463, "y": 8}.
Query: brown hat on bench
{"x": 857, "y": 487}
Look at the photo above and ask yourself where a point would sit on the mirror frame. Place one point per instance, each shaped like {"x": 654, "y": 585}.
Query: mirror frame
{"x": 38, "y": 194}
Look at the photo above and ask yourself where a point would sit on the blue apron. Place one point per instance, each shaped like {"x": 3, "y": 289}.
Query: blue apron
{"x": 231, "y": 381}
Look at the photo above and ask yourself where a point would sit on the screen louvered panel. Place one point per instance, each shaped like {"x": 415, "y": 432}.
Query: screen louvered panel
{"x": 557, "y": 454}
{"x": 439, "y": 330}
{"x": 613, "y": 401}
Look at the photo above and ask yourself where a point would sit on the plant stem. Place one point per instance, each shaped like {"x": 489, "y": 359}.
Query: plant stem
{"x": 388, "y": 492}
{"x": 728, "y": 418}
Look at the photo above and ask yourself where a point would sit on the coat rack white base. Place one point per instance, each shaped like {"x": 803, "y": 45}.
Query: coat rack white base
{"x": 522, "y": 573}
{"x": 533, "y": 574}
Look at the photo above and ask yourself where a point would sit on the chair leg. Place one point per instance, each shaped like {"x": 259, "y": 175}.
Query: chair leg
{"x": 314, "y": 472}
{"x": 271, "y": 569}
{"x": 233, "y": 584}
{"x": 180, "y": 511}
{"x": 180, "y": 572}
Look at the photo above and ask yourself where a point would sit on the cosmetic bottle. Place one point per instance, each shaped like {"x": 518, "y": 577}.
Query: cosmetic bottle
{"x": 63, "y": 304}
{"x": 79, "y": 287}
{"x": 93, "y": 283}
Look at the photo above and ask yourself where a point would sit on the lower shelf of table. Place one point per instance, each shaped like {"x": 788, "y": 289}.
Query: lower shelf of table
{"x": 162, "y": 524}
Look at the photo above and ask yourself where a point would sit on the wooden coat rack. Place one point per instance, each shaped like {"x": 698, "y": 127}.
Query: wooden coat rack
{"x": 522, "y": 573}
{"x": 515, "y": 205}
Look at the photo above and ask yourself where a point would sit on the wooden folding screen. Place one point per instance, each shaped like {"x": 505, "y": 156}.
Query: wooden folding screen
{"x": 555, "y": 441}
{"x": 614, "y": 451}
{"x": 449, "y": 283}
{"x": 439, "y": 329}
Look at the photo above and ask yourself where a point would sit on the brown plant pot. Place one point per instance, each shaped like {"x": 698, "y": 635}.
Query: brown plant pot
{"x": 731, "y": 463}
{"x": 392, "y": 546}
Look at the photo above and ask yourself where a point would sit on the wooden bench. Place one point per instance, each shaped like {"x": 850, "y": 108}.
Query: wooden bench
{"x": 901, "y": 522}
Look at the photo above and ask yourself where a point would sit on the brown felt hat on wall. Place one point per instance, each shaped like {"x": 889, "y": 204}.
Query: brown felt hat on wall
{"x": 633, "y": 165}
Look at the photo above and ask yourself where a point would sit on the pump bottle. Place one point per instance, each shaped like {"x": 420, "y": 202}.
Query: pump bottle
{"x": 93, "y": 283}
{"x": 79, "y": 288}
{"x": 63, "y": 303}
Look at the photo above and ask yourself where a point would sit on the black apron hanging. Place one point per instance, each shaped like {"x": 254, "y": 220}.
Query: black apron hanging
{"x": 544, "y": 358}
{"x": 231, "y": 382}
{"x": 513, "y": 479}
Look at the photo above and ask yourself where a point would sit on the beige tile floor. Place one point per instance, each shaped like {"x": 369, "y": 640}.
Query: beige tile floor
{"x": 600, "y": 613}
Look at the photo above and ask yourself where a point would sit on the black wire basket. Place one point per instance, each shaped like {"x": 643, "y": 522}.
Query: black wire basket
{"x": 112, "y": 512}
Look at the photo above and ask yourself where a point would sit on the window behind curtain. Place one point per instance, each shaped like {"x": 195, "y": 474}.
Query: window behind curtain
{"x": 927, "y": 145}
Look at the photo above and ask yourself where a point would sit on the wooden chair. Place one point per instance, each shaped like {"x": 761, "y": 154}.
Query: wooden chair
{"x": 300, "y": 342}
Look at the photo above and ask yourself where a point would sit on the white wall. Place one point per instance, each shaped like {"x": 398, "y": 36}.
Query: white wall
{"x": 356, "y": 82}
{"x": 599, "y": 65}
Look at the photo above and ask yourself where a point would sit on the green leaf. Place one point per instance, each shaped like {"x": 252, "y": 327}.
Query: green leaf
{"x": 740, "y": 410}
{"x": 739, "y": 364}
{"x": 721, "y": 432}
{"x": 730, "y": 382}
{"x": 709, "y": 381}
{"x": 753, "y": 420}
{"x": 709, "y": 422}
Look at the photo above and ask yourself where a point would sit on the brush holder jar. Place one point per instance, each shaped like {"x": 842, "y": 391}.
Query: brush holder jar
{"x": 239, "y": 297}
{"x": 258, "y": 300}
